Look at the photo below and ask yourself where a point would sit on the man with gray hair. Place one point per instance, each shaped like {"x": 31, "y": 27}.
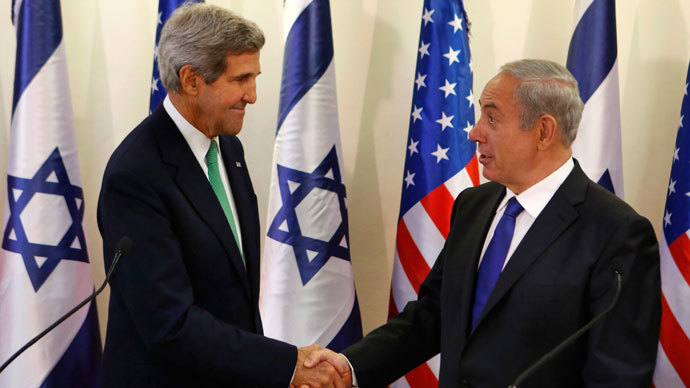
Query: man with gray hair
{"x": 183, "y": 306}
{"x": 530, "y": 258}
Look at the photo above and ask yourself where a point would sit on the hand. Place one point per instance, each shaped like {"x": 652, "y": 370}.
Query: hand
{"x": 318, "y": 375}
{"x": 338, "y": 361}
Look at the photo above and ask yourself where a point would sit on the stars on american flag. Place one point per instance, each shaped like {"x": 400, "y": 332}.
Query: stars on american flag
{"x": 413, "y": 147}
{"x": 423, "y": 49}
{"x": 470, "y": 98}
{"x": 468, "y": 128}
{"x": 440, "y": 153}
{"x": 456, "y": 23}
{"x": 676, "y": 215}
{"x": 445, "y": 121}
{"x": 420, "y": 81}
{"x": 427, "y": 16}
{"x": 416, "y": 113}
{"x": 154, "y": 85}
{"x": 667, "y": 218}
{"x": 409, "y": 178}
{"x": 448, "y": 88}
{"x": 452, "y": 55}
{"x": 438, "y": 144}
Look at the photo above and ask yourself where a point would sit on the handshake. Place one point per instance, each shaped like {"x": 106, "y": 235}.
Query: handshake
{"x": 317, "y": 367}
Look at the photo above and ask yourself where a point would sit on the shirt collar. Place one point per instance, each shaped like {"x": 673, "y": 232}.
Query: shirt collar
{"x": 535, "y": 198}
{"x": 196, "y": 140}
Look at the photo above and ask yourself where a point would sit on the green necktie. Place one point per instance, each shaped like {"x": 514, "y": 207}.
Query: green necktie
{"x": 217, "y": 184}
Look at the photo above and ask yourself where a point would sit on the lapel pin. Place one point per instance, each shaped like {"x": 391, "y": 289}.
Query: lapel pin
{"x": 238, "y": 164}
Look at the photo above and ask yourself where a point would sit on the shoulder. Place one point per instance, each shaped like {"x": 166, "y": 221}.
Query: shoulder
{"x": 140, "y": 147}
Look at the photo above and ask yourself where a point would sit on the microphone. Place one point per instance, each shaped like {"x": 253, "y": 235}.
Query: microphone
{"x": 527, "y": 372}
{"x": 122, "y": 249}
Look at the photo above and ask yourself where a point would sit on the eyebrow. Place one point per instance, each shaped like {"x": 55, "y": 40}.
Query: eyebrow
{"x": 488, "y": 105}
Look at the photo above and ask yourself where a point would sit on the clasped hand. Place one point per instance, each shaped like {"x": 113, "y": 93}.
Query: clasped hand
{"x": 317, "y": 368}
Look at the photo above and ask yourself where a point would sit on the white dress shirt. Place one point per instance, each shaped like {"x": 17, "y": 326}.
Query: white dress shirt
{"x": 199, "y": 144}
{"x": 533, "y": 200}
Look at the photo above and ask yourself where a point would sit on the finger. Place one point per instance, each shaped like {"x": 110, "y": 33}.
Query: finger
{"x": 340, "y": 364}
{"x": 338, "y": 382}
{"x": 316, "y": 357}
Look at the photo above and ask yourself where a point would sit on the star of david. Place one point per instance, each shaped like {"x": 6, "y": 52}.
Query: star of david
{"x": 51, "y": 178}
{"x": 311, "y": 254}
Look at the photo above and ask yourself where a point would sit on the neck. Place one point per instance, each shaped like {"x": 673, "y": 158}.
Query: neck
{"x": 544, "y": 168}
{"x": 187, "y": 108}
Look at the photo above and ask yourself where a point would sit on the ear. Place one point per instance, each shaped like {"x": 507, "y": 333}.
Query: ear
{"x": 189, "y": 80}
{"x": 546, "y": 131}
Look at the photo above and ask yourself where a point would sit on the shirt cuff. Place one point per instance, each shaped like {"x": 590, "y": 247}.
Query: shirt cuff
{"x": 352, "y": 370}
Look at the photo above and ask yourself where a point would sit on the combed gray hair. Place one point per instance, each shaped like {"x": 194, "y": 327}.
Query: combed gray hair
{"x": 547, "y": 88}
{"x": 203, "y": 35}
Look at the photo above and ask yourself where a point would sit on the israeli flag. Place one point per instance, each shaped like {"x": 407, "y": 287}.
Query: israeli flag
{"x": 593, "y": 60}
{"x": 44, "y": 265}
{"x": 307, "y": 288}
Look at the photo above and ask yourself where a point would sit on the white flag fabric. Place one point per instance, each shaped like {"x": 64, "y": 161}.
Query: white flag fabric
{"x": 307, "y": 287}
{"x": 44, "y": 265}
{"x": 593, "y": 60}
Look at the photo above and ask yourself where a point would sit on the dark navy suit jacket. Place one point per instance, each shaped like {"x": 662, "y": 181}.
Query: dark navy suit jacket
{"x": 183, "y": 309}
{"x": 560, "y": 276}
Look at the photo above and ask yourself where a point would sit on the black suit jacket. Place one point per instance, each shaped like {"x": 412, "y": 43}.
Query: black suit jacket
{"x": 183, "y": 309}
{"x": 559, "y": 277}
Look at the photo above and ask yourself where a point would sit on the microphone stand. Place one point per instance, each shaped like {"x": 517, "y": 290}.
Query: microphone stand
{"x": 123, "y": 248}
{"x": 573, "y": 337}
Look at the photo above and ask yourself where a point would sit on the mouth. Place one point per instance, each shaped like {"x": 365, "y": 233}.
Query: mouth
{"x": 484, "y": 159}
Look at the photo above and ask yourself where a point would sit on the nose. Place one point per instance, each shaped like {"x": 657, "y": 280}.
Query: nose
{"x": 250, "y": 93}
{"x": 475, "y": 134}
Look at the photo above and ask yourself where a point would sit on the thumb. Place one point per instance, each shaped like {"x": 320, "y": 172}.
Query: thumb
{"x": 315, "y": 358}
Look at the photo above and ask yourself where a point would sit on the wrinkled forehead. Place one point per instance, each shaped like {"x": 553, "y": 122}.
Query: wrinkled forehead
{"x": 499, "y": 90}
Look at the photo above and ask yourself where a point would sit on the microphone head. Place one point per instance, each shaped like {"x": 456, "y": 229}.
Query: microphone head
{"x": 124, "y": 245}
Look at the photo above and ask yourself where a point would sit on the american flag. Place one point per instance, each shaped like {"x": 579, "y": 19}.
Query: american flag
{"x": 672, "y": 365}
{"x": 440, "y": 159}
{"x": 165, "y": 9}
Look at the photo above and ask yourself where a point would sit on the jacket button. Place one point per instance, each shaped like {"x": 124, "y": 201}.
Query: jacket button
{"x": 465, "y": 384}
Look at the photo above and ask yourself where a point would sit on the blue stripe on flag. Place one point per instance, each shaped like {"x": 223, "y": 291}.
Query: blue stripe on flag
{"x": 351, "y": 331}
{"x": 308, "y": 52}
{"x": 35, "y": 45}
{"x": 593, "y": 48}
{"x": 81, "y": 361}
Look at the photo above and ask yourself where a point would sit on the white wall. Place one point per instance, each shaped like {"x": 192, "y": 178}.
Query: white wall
{"x": 109, "y": 47}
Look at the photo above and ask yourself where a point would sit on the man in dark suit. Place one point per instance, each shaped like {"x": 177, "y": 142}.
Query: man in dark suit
{"x": 184, "y": 303}
{"x": 529, "y": 259}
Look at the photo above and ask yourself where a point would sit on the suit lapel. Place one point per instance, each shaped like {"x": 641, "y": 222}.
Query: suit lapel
{"x": 191, "y": 180}
{"x": 245, "y": 204}
{"x": 558, "y": 214}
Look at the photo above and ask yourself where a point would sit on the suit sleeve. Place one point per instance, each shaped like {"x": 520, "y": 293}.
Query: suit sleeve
{"x": 622, "y": 347}
{"x": 154, "y": 287}
{"x": 406, "y": 340}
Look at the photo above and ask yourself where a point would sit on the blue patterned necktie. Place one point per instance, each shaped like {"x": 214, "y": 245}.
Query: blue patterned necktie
{"x": 494, "y": 257}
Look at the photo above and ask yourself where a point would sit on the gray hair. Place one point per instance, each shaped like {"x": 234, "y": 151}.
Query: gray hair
{"x": 203, "y": 35}
{"x": 547, "y": 88}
